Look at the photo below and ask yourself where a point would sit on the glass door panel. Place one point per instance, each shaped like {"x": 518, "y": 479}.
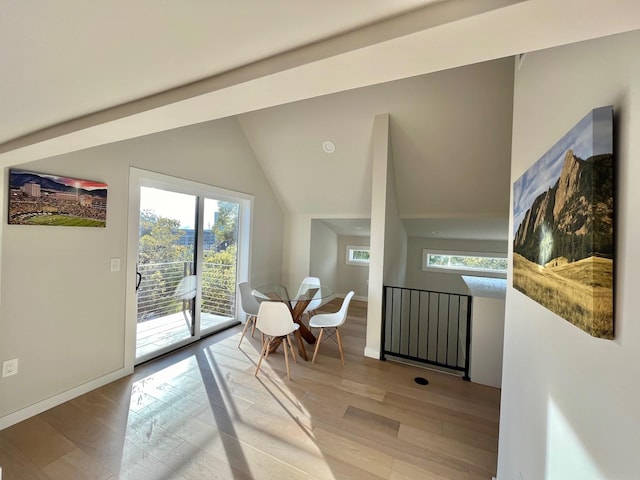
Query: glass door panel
{"x": 219, "y": 264}
{"x": 167, "y": 271}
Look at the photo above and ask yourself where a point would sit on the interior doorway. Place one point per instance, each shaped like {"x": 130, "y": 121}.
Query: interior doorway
{"x": 190, "y": 250}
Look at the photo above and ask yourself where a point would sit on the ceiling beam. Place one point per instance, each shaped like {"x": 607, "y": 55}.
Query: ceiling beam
{"x": 437, "y": 37}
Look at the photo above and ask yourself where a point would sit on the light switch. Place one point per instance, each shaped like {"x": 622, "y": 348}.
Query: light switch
{"x": 115, "y": 264}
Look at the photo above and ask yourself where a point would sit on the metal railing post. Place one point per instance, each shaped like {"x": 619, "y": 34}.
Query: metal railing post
{"x": 467, "y": 360}
{"x": 384, "y": 323}
{"x": 393, "y": 326}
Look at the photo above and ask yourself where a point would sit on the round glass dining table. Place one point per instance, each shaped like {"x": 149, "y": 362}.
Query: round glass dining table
{"x": 297, "y": 297}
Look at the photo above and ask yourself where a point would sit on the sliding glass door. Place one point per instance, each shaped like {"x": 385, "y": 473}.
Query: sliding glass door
{"x": 189, "y": 256}
{"x": 166, "y": 270}
{"x": 219, "y": 264}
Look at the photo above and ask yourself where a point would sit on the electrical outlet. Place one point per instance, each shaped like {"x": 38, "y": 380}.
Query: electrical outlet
{"x": 9, "y": 367}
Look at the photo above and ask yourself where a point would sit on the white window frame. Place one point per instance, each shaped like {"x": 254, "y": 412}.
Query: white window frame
{"x": 143, "y": 178}
{"x": 351, "y": 260}
{"x": 462, "y": 271}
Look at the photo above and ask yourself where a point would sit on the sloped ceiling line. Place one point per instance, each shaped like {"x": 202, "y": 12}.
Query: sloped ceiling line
{"x": 429, "y": 16}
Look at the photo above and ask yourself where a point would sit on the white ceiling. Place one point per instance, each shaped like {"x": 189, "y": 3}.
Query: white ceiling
{"x": 443, "y": 228}
{"x": 458, "y": 228}
{"x": 68, "y": 58}
{"x": 78, "y": 74}
{"x": 450, "y": 142}
{"x": 354, "y": 227}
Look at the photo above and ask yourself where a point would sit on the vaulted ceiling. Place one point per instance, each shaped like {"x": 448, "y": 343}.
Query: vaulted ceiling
{"x": 450, "y": 137}
{"x": 78, "y": 74}
{"x": 66, "y": 59}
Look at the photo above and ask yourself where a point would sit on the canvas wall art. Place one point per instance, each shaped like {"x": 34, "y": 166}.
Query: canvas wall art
{"x": 563, "y": 239}
{"x": 43, "y": 199}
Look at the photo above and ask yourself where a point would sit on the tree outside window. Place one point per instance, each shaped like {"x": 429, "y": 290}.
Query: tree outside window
{"x": 358, "y": 255}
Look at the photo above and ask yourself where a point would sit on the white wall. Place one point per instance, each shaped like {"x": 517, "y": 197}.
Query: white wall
{"x": 296, "y": 251}
{"x": 395, "y": 237}
{"x": 570, "y": 401}
{"x": 62, "y": 310}
{"x": 443, "y": 282}
{"x": 324, "y": 255}
{"x": 352, "y": 277}
{"x": 487, "y": 329}
{"x": 487, "y": 336}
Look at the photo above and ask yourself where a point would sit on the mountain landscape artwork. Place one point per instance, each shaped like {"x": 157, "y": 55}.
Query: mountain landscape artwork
{"x": 43, "y": 199}
{"x": 563, "y": 242}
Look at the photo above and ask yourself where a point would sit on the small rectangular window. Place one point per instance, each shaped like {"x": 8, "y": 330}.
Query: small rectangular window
{"x": 464, "y": 262}
{"x": 358, "y": 255}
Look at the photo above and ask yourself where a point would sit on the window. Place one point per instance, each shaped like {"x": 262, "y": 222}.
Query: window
{"x": 464, "y": 262}
{"x": 179, "y": 228}
{"x": 358, "y": 255}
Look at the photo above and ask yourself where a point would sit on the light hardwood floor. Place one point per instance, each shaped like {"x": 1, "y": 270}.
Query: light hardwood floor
{"x": 200, "y": 413}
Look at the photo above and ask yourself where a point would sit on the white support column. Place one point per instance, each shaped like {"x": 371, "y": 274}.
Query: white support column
{"x": 380, "y": 147}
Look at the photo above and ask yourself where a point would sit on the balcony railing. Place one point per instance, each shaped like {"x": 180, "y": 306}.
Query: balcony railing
{"x": 159, "y": 282}
{"x": 428, "y": 327}
{"x": 219, "y": 289}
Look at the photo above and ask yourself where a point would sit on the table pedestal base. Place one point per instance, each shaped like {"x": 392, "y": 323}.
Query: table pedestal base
{"x": 296, "y": 314}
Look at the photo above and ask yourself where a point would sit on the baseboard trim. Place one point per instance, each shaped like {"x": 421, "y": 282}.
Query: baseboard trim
{"x": 372, "y": 352}
{"x": 32, "y": 410}
{"x": 355, "y": 297}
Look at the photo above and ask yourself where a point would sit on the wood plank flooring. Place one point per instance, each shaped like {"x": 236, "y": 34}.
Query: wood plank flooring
{"x": 200, "y": 413}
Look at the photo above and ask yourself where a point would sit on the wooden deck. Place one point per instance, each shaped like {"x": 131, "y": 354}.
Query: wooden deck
{"x": 200, "y": 413}
{"x": 155, "y": 334}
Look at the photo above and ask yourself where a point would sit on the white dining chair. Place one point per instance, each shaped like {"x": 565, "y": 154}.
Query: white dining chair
{"x": 275, "y": 321}
{"x": 315, "y": 301}
{"x": 186, "y": 289}
{"x": 185, "y": 292}
{"x": 331, "y": 321}
{"x": 250, "y": 306}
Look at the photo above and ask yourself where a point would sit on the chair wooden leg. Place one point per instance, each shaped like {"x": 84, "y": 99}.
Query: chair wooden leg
{"x": 269, "y": 340}
{"x": 253, "y": 325}
{"x": 244, "y": 330}
{"x": 264, "y": 349}
{"x": 286, "y": 360}
{"x": 315, "y": 352}
{"x": 340, "y": 346}
{"x": 293, "y": 352}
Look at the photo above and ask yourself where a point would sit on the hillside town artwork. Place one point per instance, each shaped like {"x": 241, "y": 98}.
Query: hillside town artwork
{"x": 563, "y": 244}
{"x": 42, "y": 199}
